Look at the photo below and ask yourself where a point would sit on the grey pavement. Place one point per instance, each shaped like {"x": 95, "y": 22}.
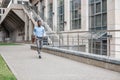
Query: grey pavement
{"x": 25, "y": 65}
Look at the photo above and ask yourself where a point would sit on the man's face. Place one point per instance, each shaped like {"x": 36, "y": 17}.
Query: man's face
{"x": 39, "y": 23}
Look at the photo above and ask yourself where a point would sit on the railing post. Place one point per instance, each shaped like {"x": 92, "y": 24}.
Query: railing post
{"x": 68, "y": 40}
{"x": 78, "y": 42}
{"x": 59, "y": 40}
{"x": 101, "y": 47}
{"x": 82, "y": 41}
{"x": 109, "y": 45}
{"x": 72, "y": 40}
{"x": 53, "y": 40}
{"x": 91, "y": 44}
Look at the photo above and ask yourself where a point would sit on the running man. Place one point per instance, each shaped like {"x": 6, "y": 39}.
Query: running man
{"x": 39, "y": 32}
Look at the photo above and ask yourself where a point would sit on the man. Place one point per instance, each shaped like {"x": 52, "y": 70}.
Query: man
{"x": 39, "y": 32}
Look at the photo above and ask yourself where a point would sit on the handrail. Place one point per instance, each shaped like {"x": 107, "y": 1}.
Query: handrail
{"x": 83, "y": 31}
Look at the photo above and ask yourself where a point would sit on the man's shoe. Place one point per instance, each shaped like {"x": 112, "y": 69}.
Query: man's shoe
{"x": 39, "y": 57}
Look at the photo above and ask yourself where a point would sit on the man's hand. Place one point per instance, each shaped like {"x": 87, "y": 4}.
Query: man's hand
{"x": 36, "y": 38}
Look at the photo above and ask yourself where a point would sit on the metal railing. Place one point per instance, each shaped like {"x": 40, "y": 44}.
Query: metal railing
{"x": 105, "y": 43}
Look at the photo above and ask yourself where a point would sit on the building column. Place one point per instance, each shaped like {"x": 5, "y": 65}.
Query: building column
{"x": 85, "y": 20}
{"x": 46, "y": 10}
{"x": 39, "y": 5}
{"x": 117, "y": 27}
{"x": 84, "y": 15}
{"x": 30, "y": 30}
{"x": 26, "y": 27}
{"x": 110, "y": 25}
{"x": 67, "y": 15}
{"x": 113, "y": 15}
{"x": 55, "y": 15}
{"x": 15, "y": 1}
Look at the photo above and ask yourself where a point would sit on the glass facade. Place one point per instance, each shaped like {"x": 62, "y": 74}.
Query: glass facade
{"x": 60, "y": 15}
{"x": 75, "y": 14}
{"x": 98, "y": 22}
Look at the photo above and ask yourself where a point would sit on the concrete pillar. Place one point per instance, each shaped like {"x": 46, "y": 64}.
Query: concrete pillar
{"x": 117, "y": 27}
{"x": 15, "y": 1}
{"x": 55, "y": 15}
{"x": 113, "y": 18}
{"x": 84, "y": 15}
{"x": 26, "y": 27}
{"x": 67, "y": 15}
{"x": 46, "y": 10}
{"x": 1, "y": 36}
{"x": 38, "y": 7}
{"x": 85, "y": 20}
{"x": 30, "y": 30}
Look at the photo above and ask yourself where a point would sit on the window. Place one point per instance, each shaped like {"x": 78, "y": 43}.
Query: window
{"x": 97, "y": 48}
{"x": 98, "y": 7}
{"x": 92, "y": 22}
{"x": 97, "y": 0}
{"x": 98, "y": 10}
{"x": 60, "y": 15}
{"x": 104, "y": 19}
{"x": 19, "y": 2}
{"x": 104, "y": 9}
{"x": 98, "y": 21}
{"x": 76, "y": 14}
{"x": 92, "y": 9}
{"x": 91, "y": 1}
{"x": 104, "y": 47}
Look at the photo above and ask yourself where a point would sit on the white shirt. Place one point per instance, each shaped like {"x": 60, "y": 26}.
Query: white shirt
{"x": 39, "y": 31}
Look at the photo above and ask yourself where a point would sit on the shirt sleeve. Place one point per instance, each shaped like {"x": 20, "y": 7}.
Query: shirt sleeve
{"x": 44, "y": 33}
{"x": 34, "y": 31}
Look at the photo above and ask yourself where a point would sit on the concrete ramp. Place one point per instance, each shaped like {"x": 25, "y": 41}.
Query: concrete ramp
{"x": 26, "y": 65}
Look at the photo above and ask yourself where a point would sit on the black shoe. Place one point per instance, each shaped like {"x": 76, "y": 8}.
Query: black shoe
{"x": 39, "y": 57}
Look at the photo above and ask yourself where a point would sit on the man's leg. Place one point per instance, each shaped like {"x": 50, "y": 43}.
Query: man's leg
{"x": 41, "y": 43}
{"x": 37, "y": 43}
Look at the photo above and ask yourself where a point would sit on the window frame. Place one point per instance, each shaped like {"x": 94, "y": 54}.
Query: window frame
{"x": 60, "y": 15}
{"x": 75, "y": 15}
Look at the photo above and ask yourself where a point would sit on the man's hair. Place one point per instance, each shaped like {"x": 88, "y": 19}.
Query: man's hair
{"x": 38, "y": 20}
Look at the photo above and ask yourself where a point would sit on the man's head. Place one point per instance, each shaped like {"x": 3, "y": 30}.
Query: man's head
{"x": 39, "y": 23}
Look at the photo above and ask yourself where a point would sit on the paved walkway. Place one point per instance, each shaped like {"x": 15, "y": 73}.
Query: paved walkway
{"x": 26, "y": 66}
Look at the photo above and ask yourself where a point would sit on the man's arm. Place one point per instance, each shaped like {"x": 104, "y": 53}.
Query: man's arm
{"x": 44, "y": 33}
{"x": 34, "y": 32}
